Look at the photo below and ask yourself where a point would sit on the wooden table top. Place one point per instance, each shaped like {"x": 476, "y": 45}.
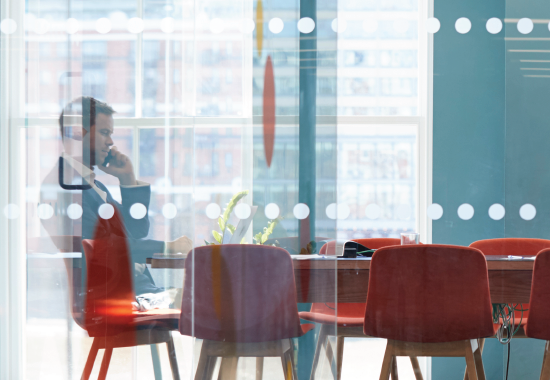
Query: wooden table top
{"x": 330, "y": 263}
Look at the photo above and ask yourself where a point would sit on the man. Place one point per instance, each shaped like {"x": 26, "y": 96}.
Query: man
{"x": 86, "y": 126}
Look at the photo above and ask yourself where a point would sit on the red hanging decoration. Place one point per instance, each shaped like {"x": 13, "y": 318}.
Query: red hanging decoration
{"x": 269, "y": 111}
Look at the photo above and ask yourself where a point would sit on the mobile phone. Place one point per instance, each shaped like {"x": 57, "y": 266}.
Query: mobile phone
{"x": 108, "y": 159}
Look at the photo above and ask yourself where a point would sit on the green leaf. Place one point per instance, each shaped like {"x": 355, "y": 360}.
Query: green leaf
{"x": 207, "y": 243}
{"x": 221, "y": 224}
{"x": 269, "y": 230}
{"x": 258, "y": 238}
{"x": 232, "y": 203}
{"x": 217, "y": 236}
{"x": 243, "y": 241}
{"x": 231, "y": 228}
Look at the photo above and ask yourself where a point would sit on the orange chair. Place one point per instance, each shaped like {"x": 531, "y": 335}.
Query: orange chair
{"x": 514, "y": 247}
{"x": 347, "y": 317}
{"x": 109, "y": 317}
{"x": 241, "y": 300}
{"x": 412, "y": 300}
{"x": 538, "y": 324}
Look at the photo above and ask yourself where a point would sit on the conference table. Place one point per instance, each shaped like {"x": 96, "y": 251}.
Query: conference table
{"x": 330, "y": 279}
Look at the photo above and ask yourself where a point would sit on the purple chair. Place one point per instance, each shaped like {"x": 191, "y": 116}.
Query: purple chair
{"x": 244, "y": 305}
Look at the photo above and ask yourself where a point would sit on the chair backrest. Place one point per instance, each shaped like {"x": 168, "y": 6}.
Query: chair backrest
{"x": 109, "y": 291}
{"x": 372, "y": 243}
{"x": 538, "y": 323}
{"x": 511, "y": 246}
{"x": 428, "y": 293}
{"x": 242, "y": 293}
{"x": 350, "y": 310}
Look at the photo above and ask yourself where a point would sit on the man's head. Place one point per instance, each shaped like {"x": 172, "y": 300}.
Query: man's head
{"x": 91, "y": 121}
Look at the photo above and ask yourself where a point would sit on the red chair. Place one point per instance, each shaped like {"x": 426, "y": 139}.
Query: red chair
{"x": 347, "y": 317}
{"x": 244, "y": 302}
{"x": 412, "y": 300}
{"x": 109, "y": 317}
{"x": 538, "y": 325}
{"x": 514, "y": 247}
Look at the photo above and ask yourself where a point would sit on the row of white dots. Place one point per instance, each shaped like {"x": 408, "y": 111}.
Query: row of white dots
{"x": 301, "y": 211}
{"x": 276, "y": 25}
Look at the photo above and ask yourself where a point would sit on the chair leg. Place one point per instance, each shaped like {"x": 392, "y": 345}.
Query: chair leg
{"x": 470, "y": 361}
{"x": 203, "y": 367}
{"x": 545, "y": 372}
{"x": 394, "y": 374}
{"x": 105, "y": 363}
{"x": 228, "y": 369}
{"x": 259, "y": 368}
{"x": 387, "y": 362}
{"x": 481, "y": 344}
{"x": 416, "y": 368}
{"x": 339, "y": 356}
{"x": 172, "y": 357}
{"x": 480, "y": 371}
{"x": 91, "y": 360}
{"x": 287, "y": 365}
{"x": 292, "y": 363}
{"x": 320, "y": 343}
{"x": 157, "y": 370}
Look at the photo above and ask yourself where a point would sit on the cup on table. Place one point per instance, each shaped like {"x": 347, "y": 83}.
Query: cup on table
{"x": 410, "y": 238}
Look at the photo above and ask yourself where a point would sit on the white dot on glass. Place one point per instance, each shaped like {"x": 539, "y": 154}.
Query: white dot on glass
{"x": 276, "y": 25}
{"x": 242, "y": 211}
{"x": 138, "y": 211}
{"x": 72, "y": 26}
{"x": 106, "y": 211}
{"x": 549, "y": 26}
{"x": 401, "y": 26}
{"x": 373, "y": 211}
{"x": 169, "y": 210}
{"x": 435, "y": 211}
{"x": 432, "y": 25}
{"x": 496, "y": 211}
{"x": 45, "y": 211}
{"x": 11, "y": 211}
{"x": 403, "y": 212}
{"x": 247, "y": 26}
{"x": 213, "y": 211}
{"x": 370, "y": 26}
{"x": 41, "y": 26}
{"x": 167, "y": 25}
{"x": 343, "y": 211}
{"x": 465, "y": 211}
{"x": 331, "y": 211}
{"x": 525, "y": 26}
{"x": 74, "y": 211}
{"x": 216, "y": 25}
{"x": 135, "y": 25}
{"x": 494, "y": 25}
{"x": 527, "y": 211}
{"x": 463, "y": 25}
{"x": 8, "y": 26}
{"x": 306, "y": 25}
{"x": 103, "y": 25}
{"x": 338, "y": 25}
{"x": 272, "y": 211}
{"x": 301, "y": 211}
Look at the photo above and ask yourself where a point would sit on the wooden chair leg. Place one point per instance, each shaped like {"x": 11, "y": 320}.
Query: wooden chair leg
{"x": 387, "y": 362}
{"x": 287, "y": 360}
{"x": 339, "y": 356}
{"x": 545, "y": 372}
{"x": 320, "y": 344}
{"x": 394, "y": 374}
{"x": 470, "y": 361}
{"x": 259, "y": 368}
{"x": 228, "y": 369}
{"x": 172, "y": 357}
{"x": 292, "y": 362}
{"x": 204, "y": 364}
{"x": 481, "y": 344}
{"x": 91, "y": 360}
{"x": 416, "y": 368}
{"x": 157, "y": 370}
{"x": 105, "y": 363}
{"x": 480, "y": 371}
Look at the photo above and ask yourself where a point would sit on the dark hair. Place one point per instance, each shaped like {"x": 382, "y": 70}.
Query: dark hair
{"x": 86, "y": 107}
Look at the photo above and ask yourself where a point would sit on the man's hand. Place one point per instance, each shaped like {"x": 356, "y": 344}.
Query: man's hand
{"x": 121, "y": 167}
{"x": 181, "y": 245}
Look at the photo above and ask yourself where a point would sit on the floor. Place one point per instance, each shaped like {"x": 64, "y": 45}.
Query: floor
{"x": 48, "y": 358}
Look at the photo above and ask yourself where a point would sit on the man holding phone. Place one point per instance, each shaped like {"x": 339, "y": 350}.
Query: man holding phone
{"x": 86, "y": 128}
